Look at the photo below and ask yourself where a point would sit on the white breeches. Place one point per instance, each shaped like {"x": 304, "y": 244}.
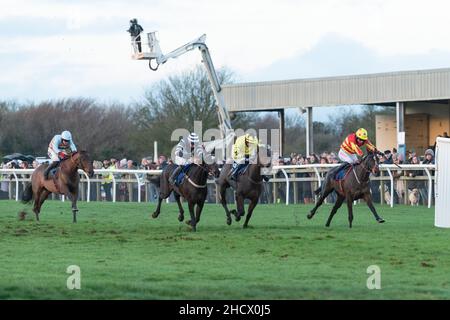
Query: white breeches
{"x": 181, "y": 161}
{"x": 53, "y": 155}
{"x": 344, "y": 156}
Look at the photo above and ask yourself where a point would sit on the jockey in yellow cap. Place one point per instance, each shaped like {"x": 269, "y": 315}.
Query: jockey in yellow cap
{"x": 244, "y": 148}
{"x": 351, "y": 147}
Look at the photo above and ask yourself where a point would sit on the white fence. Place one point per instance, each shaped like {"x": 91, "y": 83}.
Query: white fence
{"x": 320, "y": 169}
{"x": 442, "y": 210}
{"x": 285, "y": 176}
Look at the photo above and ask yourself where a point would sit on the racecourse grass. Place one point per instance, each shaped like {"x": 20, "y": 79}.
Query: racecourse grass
{"x": 123, "y": 254}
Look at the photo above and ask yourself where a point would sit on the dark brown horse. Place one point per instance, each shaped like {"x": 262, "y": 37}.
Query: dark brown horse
{"x": 247, "y": 186}
{"x": 193, "y": 188}
{"x": 65, "y": 181}
{"x": 354, "y": 186}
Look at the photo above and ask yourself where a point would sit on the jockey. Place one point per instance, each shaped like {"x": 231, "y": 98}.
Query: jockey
{"x": 244, "y": 148}
{"x": 60, "y": 146}
{"x": 351, "y": 148}
{"x": 185, "y": 154}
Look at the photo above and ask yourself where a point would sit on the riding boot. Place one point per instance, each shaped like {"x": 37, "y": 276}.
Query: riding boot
{"x": 51, "y": 166}
{"x": 234, "y": 171}
{"x": 174, "y": 175}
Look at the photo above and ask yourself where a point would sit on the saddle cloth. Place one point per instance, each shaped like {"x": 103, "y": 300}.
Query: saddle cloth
{"x": 342, "y": 173}
{"x": 240, "y": 168}
{"x": 179, "y": 179}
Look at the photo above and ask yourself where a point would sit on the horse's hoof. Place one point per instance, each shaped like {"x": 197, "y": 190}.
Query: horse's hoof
{"x": 381, "y": 220}
{"x": 180, "y": 218}
{"x": 229, "y": 221}
{"x": 245, "y": 226}
{"x": 154, "y": 215}
{"x": 309, "y": 216}
{"x": 238, "y": 218}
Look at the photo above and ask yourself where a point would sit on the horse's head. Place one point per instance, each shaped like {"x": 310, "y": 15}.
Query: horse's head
{"x": 85, "y": 163}
{"x": 213, "y": 170}
{"x": 371, "y": 163}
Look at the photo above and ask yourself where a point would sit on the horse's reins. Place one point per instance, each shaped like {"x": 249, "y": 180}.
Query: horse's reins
{"x": 356, "y": 176}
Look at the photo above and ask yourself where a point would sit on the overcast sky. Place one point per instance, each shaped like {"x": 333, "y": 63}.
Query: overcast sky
{"x": 54, "y": 49}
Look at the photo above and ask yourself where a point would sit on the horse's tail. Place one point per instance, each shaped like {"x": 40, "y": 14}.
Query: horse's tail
{"x": 27, "y": 195}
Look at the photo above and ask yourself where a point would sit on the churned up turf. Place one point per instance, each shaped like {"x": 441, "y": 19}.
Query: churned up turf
{"x": 124, "y": 254}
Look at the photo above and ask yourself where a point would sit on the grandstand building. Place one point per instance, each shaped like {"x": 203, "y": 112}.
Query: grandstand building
{"x": 421, "y": 99}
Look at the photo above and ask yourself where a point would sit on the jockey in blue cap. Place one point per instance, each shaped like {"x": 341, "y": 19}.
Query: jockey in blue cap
{"x": 59, "y": 148}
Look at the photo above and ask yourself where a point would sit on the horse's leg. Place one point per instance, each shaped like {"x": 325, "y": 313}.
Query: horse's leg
{"x": 163, "y": 194}
{"x": 251, "y": 206}
{"x": 223, "y": 201}
{"x": 74, "y": 198}
{"x": 323, "y": 195}
{"x": 37, "y": 202}
{"x": 192, "y": 222}
{"x": 180, "y": 207}
{"x": 240, "y": 208}
{"x": 350, "y": 210}
{"x": 198, "y": 211}
{"x": 336, "y": 206}
{"x": 368, "y": 200}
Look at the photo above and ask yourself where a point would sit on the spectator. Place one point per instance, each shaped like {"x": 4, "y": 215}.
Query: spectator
{"x": 417, "y": 184}
{"x": 398, "y": 183}
{"x": 429, "y": 157}
{"x": 108, "y": 178}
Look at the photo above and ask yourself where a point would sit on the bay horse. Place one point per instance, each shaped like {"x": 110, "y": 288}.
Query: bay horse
{"x": 354, "y": 186}
{"x": 248, "y": 185}
{"x": 193, "y": 188}
{"x": 65, "y": 181}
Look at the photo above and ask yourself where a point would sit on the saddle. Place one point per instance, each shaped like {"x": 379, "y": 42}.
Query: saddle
{"x": 180, "y": 177}
{"x": 342, "y": 172}
{"x": 240, "y": 169}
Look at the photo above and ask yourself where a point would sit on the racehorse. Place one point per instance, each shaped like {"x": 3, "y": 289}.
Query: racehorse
{"x": 65, "y": 181}
{"x": 193, "y": 188}
{"x": 354, "y": 186}
{"x": 247, "y": 186}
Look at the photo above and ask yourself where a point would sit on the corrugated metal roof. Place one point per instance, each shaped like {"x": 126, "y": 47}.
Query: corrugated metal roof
{"x": 419, "y": 85}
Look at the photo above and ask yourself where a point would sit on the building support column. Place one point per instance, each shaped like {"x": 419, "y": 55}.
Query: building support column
{"x": 401, "y": 136}
{"x": 309, "y": 131}
{"x": 281, "y": 127}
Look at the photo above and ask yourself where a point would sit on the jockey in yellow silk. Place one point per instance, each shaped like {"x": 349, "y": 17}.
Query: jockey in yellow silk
{"x": 244, "y": 148}
{"x": 351, "y": 147}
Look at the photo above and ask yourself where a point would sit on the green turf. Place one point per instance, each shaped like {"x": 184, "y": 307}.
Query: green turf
{"x": 123, "y": 254}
